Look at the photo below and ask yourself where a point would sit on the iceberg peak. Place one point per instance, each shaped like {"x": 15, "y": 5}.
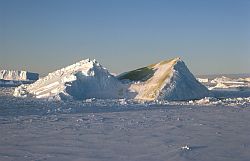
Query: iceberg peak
{"x": 168, "y": 79}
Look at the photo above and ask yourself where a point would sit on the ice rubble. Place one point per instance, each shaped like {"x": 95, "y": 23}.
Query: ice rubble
{"x": 166, "y": 80}
{"x": 203, "y": 80}
{"x": 222, "y": 83}
{"x": 186, "y": 147}
{"x": 222, "y": 79}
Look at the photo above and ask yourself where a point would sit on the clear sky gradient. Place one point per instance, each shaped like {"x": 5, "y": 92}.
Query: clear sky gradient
{"x": 211, "y": 36}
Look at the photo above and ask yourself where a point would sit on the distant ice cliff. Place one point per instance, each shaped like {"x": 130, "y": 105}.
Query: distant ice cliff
{"x": 18, "y": 75}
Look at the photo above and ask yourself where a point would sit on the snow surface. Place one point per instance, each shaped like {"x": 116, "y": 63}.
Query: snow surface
{"x": 121, "y": 130}
{"x": 92, "y": 127}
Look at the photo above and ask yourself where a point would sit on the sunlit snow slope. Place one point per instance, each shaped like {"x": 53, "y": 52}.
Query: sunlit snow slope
{"x": 85, "y": 79}
{"x": 168, "y": 80}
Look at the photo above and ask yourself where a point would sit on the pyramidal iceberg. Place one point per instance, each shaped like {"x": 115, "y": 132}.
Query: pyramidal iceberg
{"x": 166, "y": 80}
{"x": 82, "y": 80}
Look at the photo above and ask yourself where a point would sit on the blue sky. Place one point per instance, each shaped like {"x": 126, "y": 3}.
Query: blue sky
{"x": 211, "y": 36}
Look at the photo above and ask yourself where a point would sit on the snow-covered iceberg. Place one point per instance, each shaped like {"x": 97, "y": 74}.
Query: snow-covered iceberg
{"x": 82, "y": 80}
{"x": 166, "y": 80}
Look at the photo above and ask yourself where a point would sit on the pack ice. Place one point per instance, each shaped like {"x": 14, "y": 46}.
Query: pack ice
{"x": 166, "y": 80}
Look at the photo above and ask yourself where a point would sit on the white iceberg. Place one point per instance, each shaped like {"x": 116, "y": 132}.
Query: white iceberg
{"x": 166, "y": 80}
{"x": 82, "y": 80}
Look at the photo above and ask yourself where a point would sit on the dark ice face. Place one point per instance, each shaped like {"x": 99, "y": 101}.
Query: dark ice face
{"x": 32, "y": 76}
